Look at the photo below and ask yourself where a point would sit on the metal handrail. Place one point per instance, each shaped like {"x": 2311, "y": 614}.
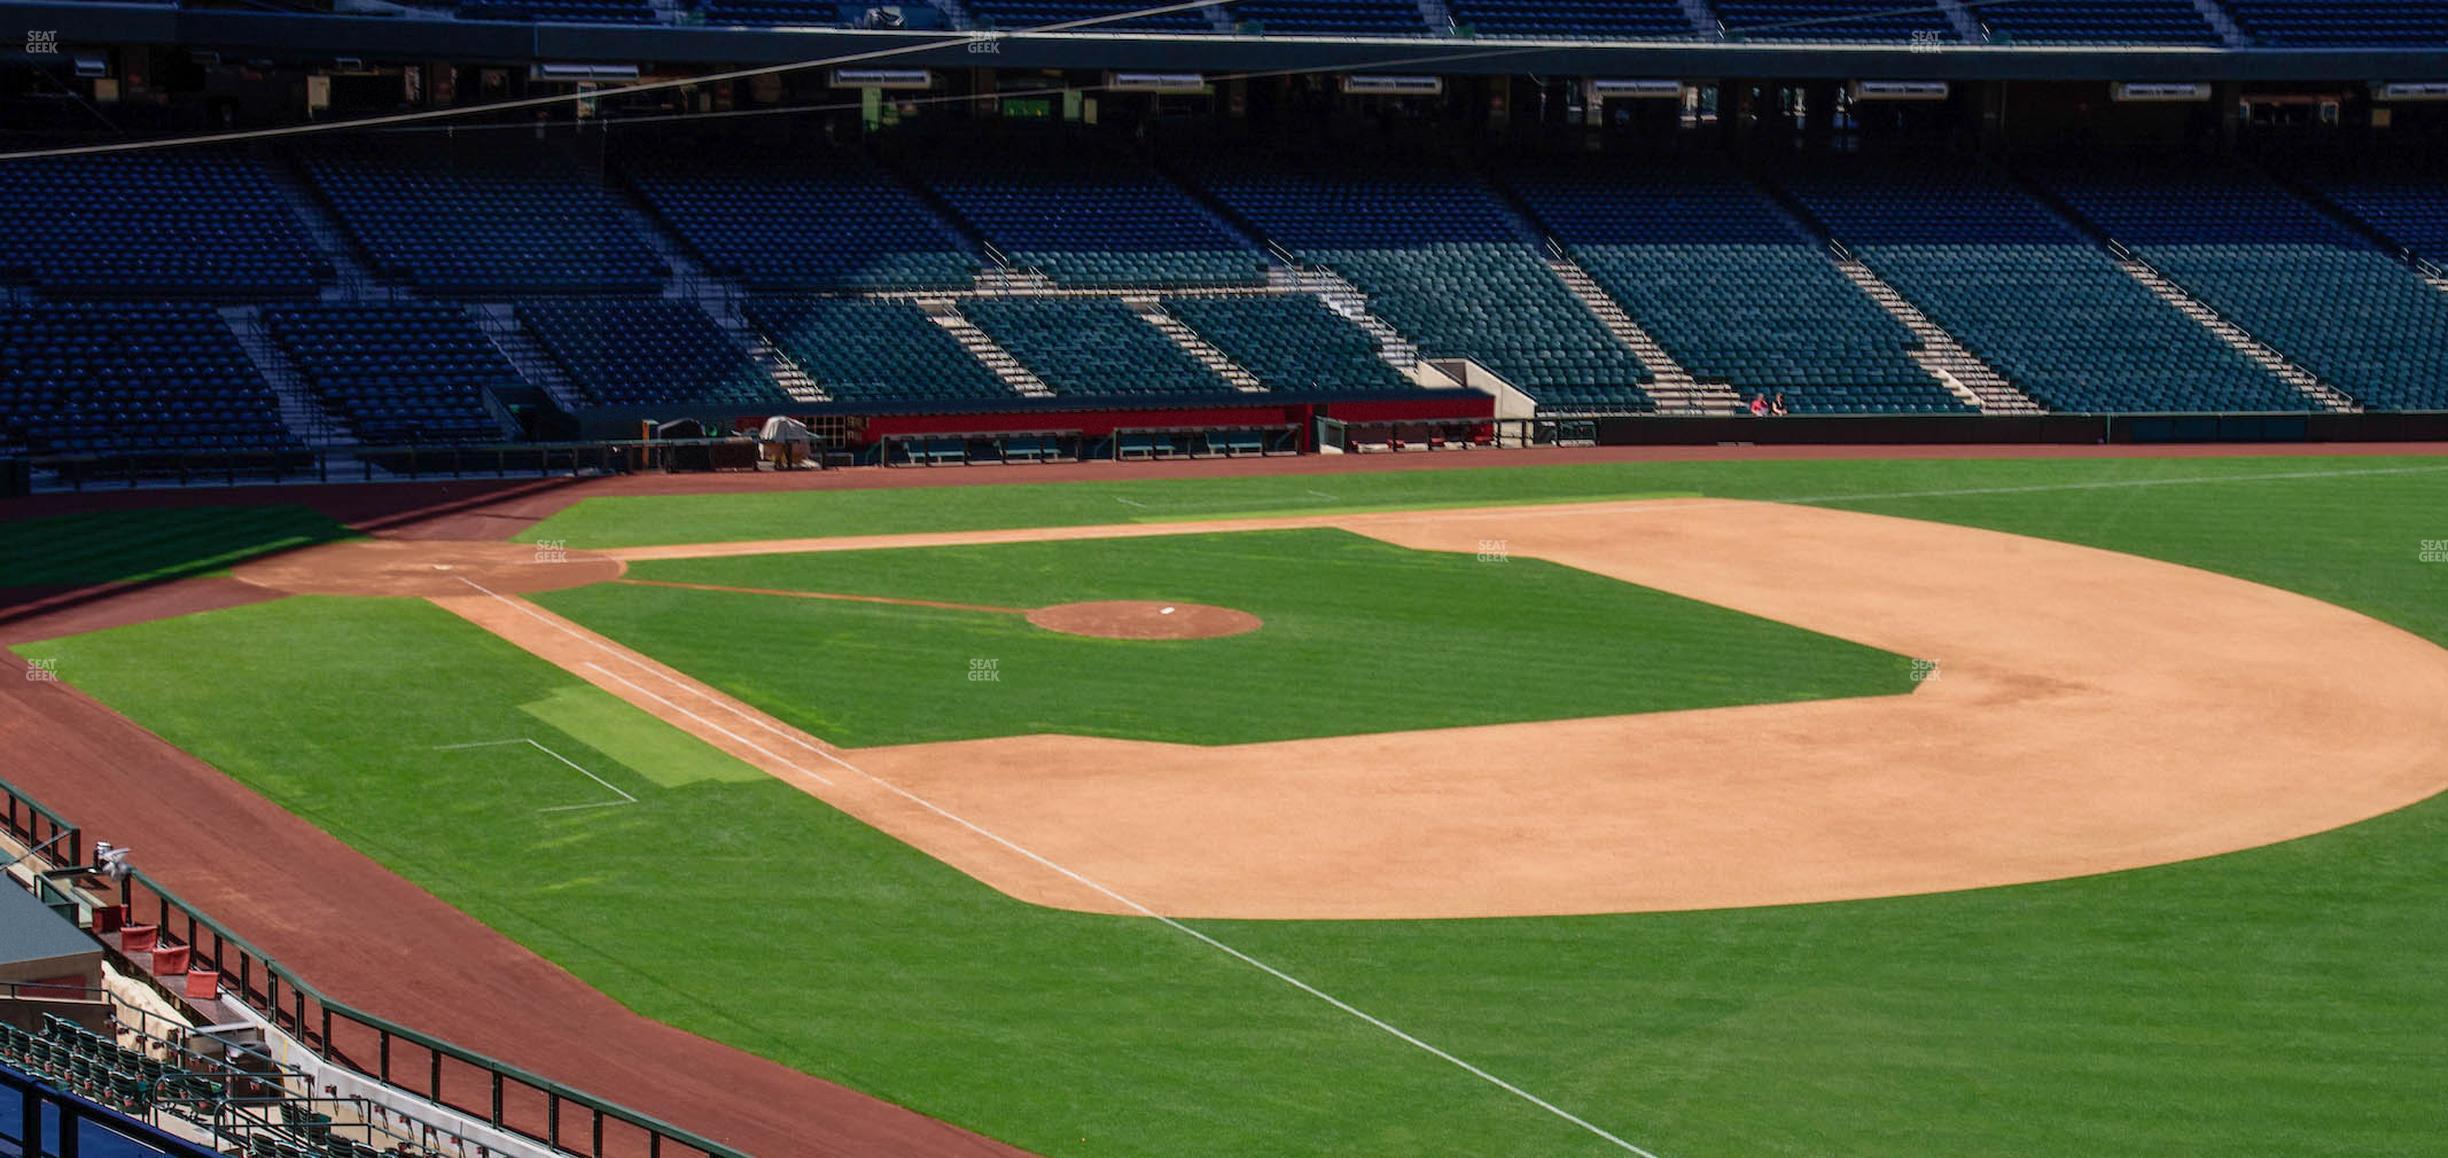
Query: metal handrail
{"x": 290, "y": 1012}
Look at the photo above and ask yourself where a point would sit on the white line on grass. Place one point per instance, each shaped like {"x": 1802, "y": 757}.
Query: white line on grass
{"x": 625, "y": 798}
{"x": 599, "y": 646}
{"x": 1084, "y": 880}
{"x": 740, "y": 739}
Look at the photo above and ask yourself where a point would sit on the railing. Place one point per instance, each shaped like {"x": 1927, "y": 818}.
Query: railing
{"x": 35, "y": 827}
{"x": 501, "y": 1095}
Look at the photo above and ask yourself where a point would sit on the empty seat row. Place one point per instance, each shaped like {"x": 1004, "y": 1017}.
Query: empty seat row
{"x": 1574, "y": 19}
{"x": 2037, "y": 301}
{"x": 860, "y": 349}
{"x": 397, "y": 372}
{"x": 2318, "y": 292}
{"x": 1292, "y": 342}
{"x": 1093, "y": 347}
{"x": 481, "y": 219}
{"x": 184, "y": 223}
{"x": 1086, "y": 216}
{"x": 797, "y": 218}
{"x": 2096, "y": 22}
{"x": 1441, "y": 259}
{"x": 84, "y": 378}
{"x": 1730, "y": 286}
{"x": 647, "y": 352}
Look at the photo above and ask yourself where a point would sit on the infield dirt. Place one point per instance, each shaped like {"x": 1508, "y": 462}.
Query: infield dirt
{"x": 2085, "y": 711}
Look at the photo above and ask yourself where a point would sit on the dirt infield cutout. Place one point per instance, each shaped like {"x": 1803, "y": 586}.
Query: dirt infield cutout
{"x": 2091, "y": 711}
{"x": 426, "y": 568}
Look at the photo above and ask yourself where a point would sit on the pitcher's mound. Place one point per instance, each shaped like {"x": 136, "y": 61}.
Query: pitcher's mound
{"x": 1142, "y": 619}
{"x": 425, "y": 568}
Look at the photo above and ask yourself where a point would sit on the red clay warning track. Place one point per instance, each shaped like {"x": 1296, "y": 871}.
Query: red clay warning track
{"x": 388, "y": 947}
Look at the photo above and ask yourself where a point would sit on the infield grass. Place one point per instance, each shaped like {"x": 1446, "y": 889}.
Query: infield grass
{"x": 2288, "y": 999}
{"x": 1359, "y": 636}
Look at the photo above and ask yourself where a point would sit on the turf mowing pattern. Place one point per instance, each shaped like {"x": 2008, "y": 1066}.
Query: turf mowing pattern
{"x": 1360, "y": 636}
{"x": 2283, "y": 999}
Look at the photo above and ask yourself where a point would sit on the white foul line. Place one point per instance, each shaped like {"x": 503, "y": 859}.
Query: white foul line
{"x": 1097, "y": 886}
{"x": 743, "y": 741}
{"x": 625, "y": 798}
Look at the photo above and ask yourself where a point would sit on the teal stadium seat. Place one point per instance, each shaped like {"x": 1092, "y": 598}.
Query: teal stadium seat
{"x": 2320, "y": 293}
{"x": 2044, "y": 305}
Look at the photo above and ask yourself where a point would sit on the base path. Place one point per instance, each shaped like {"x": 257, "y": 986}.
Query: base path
{"x": 2089, "y": 711}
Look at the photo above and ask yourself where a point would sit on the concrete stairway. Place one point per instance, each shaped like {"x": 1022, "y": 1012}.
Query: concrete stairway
{"x": 1672, "y": 386}
{"x": 720, "y": 298}
{"x": 1152, "y": 311}
{"x": 2223, "y": 24}
{"x": 1344, "y": 298}
{"x": 1960, "y": 18}
{"x": 300, "y": 411}
{"x": 1437, "y": 17}
{"x": 946, "y": 313}
{"x": 2262, "y": 353}
{"x": 689, "y": 277}
{"x": 1959, "y": 369}
{"x": 353, "y": 279}
{"x": 1703, "y": 19}
{"x": 500, "y": 323}
{"x": 769, "y": 357}
{"x": 1011, "y": 279}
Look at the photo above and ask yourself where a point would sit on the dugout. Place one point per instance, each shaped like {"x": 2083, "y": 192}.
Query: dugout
{"x": 47, "y": 964}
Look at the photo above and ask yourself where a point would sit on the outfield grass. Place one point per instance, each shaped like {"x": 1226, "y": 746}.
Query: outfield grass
{"x": 669, "y": 519}
{"x": 2285, "y": 999}
{"x": 1360, "y": 636}
{"x": 140, "y": 545}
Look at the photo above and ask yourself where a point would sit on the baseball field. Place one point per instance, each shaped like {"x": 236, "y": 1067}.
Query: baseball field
{"x": 1866, "y": 807}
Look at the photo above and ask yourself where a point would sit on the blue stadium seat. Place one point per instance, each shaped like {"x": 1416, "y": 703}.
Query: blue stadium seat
{"x": 1844, "y": 20}
{"x": 1088, "y": 217}
{"x": 480, "y": 219}
{"x": 796, "y": 219}
{"x": 1015, "y": 15}
{"x": 166, "y": 224}
{"x": 91, "y": 378}
{"x": 1444, "y": 262}
{"x": 1574, "y": 19}
{"x": 2411, "y": 23}
{"x": 2096, "y": 22}
{"x": 1329, "y": 17}
{"x": 651, "y": 351}
{"x": 397, "y": 372}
